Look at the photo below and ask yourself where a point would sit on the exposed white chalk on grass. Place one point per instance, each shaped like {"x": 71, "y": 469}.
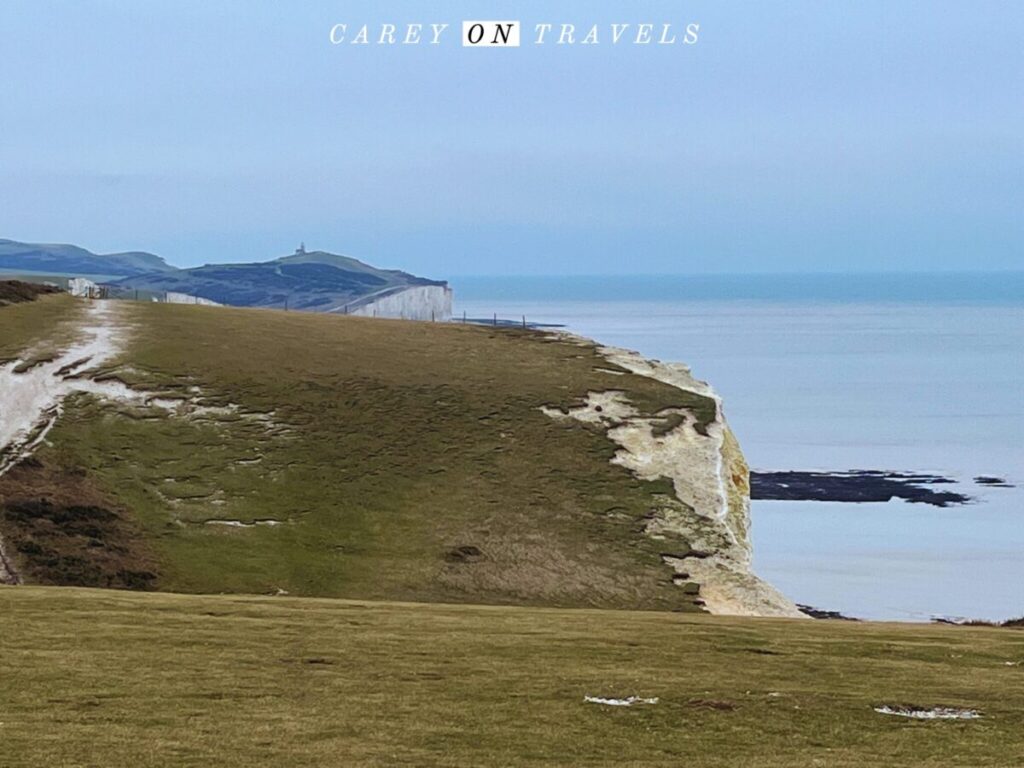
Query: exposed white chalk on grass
{"x": 241, "y": 524}
{"x": 935, "y": 713}
{"x": 608, "y": 408}
{"x": 627, "y": 702}
{"x": 32, "y": 397}
{"x": 30, "y": 401}
{"x": 710, "y": 508}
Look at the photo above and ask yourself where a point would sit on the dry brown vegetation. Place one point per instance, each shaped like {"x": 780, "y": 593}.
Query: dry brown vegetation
{"x": 16, "y": 291}
{"x": 63, "y": 531}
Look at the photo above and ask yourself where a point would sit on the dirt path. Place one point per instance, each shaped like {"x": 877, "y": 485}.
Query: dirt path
{"x": 31, "y": 397}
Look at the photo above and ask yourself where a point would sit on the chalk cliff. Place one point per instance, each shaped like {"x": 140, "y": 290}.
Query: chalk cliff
{"x": 313, "y": 281}
{"x": 418, "y": 302}
{"x": 710, "y": 508}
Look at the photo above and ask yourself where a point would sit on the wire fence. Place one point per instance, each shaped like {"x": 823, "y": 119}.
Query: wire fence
{"x": 504, "y": 321}
{"x": 163, "y": 297}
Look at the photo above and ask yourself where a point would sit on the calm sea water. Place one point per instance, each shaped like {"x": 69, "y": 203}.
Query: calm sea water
{"x": 917, "y": 373}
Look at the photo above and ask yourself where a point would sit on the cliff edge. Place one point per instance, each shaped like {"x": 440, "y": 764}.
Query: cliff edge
{"x": 710, "y": 508}
{"x": 213, "y": 449}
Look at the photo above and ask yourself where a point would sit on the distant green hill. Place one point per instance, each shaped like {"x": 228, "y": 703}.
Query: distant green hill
{"x": 59, "y": 258}
{"x": 314, "y": 280}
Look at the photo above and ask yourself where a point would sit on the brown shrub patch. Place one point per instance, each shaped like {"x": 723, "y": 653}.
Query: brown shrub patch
{"x": 720, "y": 706}
{"x": 15, "y": 291}
{"x": 59, "y": 529}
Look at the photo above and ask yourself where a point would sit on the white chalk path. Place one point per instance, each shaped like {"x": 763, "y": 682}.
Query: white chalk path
{"x": 30, "y": 401}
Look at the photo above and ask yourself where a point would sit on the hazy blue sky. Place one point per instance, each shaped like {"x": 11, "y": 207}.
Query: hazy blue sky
{"x": 795, "y": 136}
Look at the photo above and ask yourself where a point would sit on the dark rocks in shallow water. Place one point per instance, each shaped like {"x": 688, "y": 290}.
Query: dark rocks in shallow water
{"x": 992, "y": 482}
{"x": 957, "y": 621}
{"x": 853, "y": 486}
{"x": 819, "y": 613}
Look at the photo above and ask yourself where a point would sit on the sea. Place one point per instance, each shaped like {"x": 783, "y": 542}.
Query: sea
{"x": 899, "y": 372}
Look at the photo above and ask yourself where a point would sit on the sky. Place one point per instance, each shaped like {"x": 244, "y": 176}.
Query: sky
{"x": 797, "y": 136}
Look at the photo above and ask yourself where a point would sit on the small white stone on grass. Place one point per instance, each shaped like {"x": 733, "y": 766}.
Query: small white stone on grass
{"x": 935, "y": 713}
{"x": 627, "y": 702}
{"x": 242, "y": 524}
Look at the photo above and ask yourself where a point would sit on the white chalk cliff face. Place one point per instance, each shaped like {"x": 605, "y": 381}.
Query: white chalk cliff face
{"x": 711, "y": 506}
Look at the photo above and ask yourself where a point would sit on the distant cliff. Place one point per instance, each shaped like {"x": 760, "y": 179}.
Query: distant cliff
{"x": 417, "y": 302}
{"x": 315, "y": 281}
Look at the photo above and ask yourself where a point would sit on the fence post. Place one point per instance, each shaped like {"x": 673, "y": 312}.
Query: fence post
{"x": 524, "y": 321}
{"x": 495, "y": 318}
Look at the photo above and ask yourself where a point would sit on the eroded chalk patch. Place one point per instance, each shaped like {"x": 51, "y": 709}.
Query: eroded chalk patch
{"x": 934, "y": 713}
{"x": 629, "y": 701}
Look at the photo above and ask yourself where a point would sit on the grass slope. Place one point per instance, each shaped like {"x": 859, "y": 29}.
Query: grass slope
{"x": 403, "y": 460}
{"x": 49, "y": 319}
{"x": 129, "y": 679}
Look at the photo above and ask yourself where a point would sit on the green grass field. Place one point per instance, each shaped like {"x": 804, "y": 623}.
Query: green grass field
{"x": 104, "y": 678}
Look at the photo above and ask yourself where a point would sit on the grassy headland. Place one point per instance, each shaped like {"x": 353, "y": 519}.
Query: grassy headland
{"x": 347, "y": 457}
